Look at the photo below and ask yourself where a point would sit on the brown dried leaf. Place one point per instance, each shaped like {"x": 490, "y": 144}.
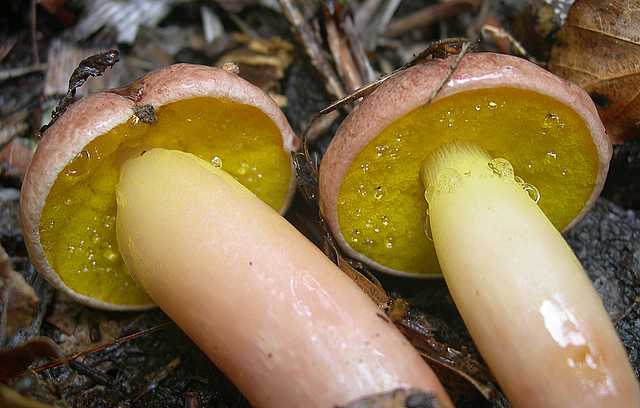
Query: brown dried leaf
{"x": 262, "y": 62}
{"x": 599, "y": 49}
{"x": 18, "y": 301}
{"x": 10, "y": 398}
{"x": 15, "y": 361}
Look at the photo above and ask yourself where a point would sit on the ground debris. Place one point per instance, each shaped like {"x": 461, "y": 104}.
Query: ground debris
{"x": 607, "y": 242}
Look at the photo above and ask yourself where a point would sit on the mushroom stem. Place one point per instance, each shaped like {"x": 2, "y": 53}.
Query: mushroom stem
{"x": 522, "y": 293}
{"x": 282, "y": 321}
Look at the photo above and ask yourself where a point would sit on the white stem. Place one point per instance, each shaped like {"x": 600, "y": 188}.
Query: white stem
{"x": 284, "y": 323}
{"x": 521, "y": 291}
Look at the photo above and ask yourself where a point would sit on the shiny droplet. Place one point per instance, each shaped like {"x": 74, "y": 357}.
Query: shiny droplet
{"x": 379, "y": 193}
{"x": 385, "y": 220}
{"x": 79, "y": 166}
{"x": 477, "y": 107}
{"x": 362, "y": 190}
{"x": 532, "y": 191}
{"x": 564, "y": 172}
{"x": 388, "y": 243}
{"x": 369, "y": 242}
{"x": 552, "y": 154}
{"x": 501, "y": 167}
{"x": 216, "y": 161}
{"x": 492, "y": 104}
{"x": 364, "y": 167}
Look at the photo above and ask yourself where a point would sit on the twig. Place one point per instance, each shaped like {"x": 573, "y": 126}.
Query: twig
{"x": 311, "y": 46}
{"x": 499, "y": 33}
{"x": 341, "y": 53}
{"x": 364, "y": 13}
{"x": 6, "y": 48}
{"x": 20, "y": 71}
{"x": 120, "y": 340}
{"x": 379, "y": 24}
{"x": 429, "y": 15}
{"x": 450, "y": 70}
{"x": 357, "y": 51}
{"x": 34, "y": 39}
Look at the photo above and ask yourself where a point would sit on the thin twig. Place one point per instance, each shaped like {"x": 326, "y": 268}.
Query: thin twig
{"x": 20, "y": 71}
{"x": 8, "y": 45}
{"x": 450, "y": 70}
{"x": 429, "y": 15}
{"x": 120, "y": 340}
{"x": 313, "y": 49}
{"x": 343, "y": 60}
{"x": 500, "y": 33}
{"x": 357, "y": 51}
{"x": 34, "y": 39}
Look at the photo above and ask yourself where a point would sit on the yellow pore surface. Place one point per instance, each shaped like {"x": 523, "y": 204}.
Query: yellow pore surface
{"x": 77, "y": 226}
{"x": 381, "y": 205}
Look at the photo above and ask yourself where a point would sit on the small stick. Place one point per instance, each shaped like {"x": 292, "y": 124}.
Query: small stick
{"x": 357, "y": 51}
{"x": 342, "y": 55}
{"x": 34, "y": 39}
{"x": 20, "y": 71}
{"x": 500, "y": 33}
{"x": 120, "y": 340}
{"x": 311, "y": 46}
{"x": 429, "y": 15}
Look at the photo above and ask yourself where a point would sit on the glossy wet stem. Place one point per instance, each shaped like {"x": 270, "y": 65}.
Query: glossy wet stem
{"x": 521, "y": 291}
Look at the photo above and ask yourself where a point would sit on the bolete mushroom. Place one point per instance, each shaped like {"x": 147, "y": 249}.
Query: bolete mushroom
{"x": 506, "y": 156}
{"x": 282, "y": 321}
{"x": 68, "y": 204}
{"x": 115, "y": 220}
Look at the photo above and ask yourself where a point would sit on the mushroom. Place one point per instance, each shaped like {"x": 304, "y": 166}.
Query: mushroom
{"x": 506, "y": 156}
{"x": 68, "y": 204}
{"x": 196, "y": 230}
{"x": 282, "y": 321}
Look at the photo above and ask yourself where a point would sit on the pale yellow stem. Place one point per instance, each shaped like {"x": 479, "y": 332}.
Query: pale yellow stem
{"x": 282, "y": 321}
{"x": 521, "y": 291}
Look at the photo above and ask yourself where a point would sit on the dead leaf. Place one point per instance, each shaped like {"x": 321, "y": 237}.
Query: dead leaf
{"x": 599, "y": 49}
{"x": 261, "y": 62}
{"x": 15, "y": 361}
{"x": 10, "y": 398}
{"x": 18, "y": 301}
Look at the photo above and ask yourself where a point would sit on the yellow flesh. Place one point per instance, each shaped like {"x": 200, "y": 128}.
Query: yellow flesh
{"x": 381, "y": 208}
{"x": 77, "y": 226}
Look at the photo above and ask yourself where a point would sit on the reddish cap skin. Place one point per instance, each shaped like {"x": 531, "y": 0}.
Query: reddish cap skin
{"x": 412, "y": 88}
{"x": 97, "y": 114}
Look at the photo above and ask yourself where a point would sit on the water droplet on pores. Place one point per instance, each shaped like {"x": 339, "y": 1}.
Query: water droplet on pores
{"x": 79, "y": 166}
{"x": 364, "y": 167}
{"x": 369, "y": 241}
{"x": 376, "y": 230}
{"x": 385, "y": 220}
{"x": 67, "y": 201}
{"x": 492, "y": 105}
{"x": 369, "y": 223}
{"x": 501, "y": 167}
{"x": 552, "y": 154}
{"x": 379, "y": 193}
{"x": 564, "y": 172}
{"x": 532, "y": 191}
{"x": 244, "y": 167}
{"x": 362, "y": 190}
{"x": 477, "y": 107}
{"x": 380, "y": 149}
{"x": 216, "y": 161}
{"x": 551, "y": 120}
{"x": 388, "y": 243}
{"x": 357, "y": 212}
{"x": 110, "y": 255}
